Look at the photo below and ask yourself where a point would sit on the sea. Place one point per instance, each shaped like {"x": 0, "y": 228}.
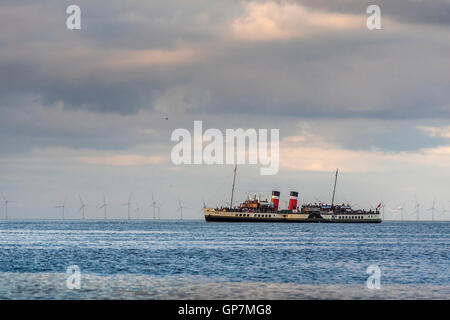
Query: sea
{"x": 193, "y": 259}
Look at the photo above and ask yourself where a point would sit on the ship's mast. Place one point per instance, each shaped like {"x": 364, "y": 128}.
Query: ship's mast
{"x": 334, "y": 189}
{"x": 232, "y": 189}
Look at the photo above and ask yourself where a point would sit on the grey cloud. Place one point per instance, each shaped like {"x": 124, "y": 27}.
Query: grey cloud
{"x": 359, "y": 74}
{"x": 365, "y": 134}
{"x": 422, "y": 12}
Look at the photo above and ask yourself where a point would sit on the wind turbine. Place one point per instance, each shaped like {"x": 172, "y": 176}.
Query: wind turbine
{"x": 137, "y": 210}
{"x": 417, "y": 208}
{"x": 433, "y": 209}
{"x": 159, "y": 210}
{"x": 83, "y": 206}
{"x": 444, "y": 211}
{"x": 128, "y": 204}
{"x": 63, "y": 206}
{"x": 154, "y": 205}
{"x": 104, "y": 206}
{"x": 180, "y": 208}
{"x": 401, "y": 208}
{"x": 5, "y": 205}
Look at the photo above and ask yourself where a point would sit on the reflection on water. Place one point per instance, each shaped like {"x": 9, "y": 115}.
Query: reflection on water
{"x": 53, "y": 286}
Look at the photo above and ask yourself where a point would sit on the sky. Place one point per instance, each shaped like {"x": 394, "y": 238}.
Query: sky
{"x": 87, "y": 113}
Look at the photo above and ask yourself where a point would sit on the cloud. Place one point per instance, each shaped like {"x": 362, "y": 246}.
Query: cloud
{"x": 442, "y": 132}
{"x": 324, "y": 62}
{"x": 285, "y": 20}
{"x": 124, "y": 160}
{"x": 309, "y": 152}
{"x": 129, "y": 59}
{"x": 435, "y": 12}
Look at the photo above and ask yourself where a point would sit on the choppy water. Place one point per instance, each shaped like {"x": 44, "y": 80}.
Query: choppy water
{"x": 194, "y": 259}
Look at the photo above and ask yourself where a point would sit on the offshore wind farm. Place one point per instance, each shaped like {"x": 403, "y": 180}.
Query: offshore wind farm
{"x": 412, "y": 210}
